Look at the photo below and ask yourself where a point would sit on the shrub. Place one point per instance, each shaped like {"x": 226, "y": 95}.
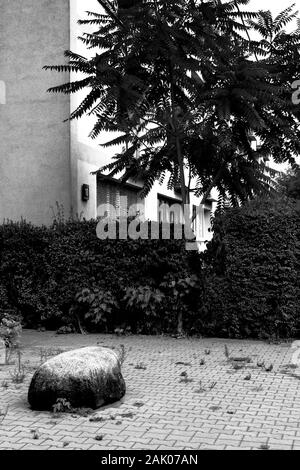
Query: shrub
{"x": 246, "y": 284}
{"x": 64, "y": 276}
{"x": 252, "y": 283}
{"x": 10, "y": 333}
{"x": 144, "y": 305}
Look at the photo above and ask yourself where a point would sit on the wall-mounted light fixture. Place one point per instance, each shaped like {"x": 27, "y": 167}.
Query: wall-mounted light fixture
{"x": 85, "y": 192}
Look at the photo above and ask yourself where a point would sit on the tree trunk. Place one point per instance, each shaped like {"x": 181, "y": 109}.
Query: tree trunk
{"x": 177, "y": 139}
{"x": 179, "y": 322}
{"x": 7, "y": 355}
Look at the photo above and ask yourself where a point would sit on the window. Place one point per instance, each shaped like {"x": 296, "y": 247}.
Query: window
{"x": 169, "y": 210}
{"x": 109, "y": 195}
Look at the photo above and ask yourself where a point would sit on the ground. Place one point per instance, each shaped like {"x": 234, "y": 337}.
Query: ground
{"x": 181, "y": 394}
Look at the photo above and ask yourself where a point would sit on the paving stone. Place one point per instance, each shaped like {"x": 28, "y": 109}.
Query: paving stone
{"x": 173, "y": 416}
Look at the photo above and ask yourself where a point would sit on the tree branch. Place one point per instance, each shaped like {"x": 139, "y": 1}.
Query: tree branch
{"x": 109, "y": 11}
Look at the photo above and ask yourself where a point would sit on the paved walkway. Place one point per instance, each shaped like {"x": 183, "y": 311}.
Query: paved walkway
{"x": 181, "y": 394}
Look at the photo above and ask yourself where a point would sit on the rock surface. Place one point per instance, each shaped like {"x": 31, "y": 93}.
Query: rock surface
{"x": 88, "y": 377}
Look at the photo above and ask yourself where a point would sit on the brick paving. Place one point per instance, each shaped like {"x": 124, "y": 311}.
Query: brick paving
{"x": 216, "y": 405}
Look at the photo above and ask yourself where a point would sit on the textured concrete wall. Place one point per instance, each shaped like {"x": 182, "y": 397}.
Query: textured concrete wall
{"x": 34, "y": 142}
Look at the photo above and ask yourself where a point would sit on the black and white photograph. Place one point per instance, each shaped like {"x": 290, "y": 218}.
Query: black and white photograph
{"x": 149, "y": 228}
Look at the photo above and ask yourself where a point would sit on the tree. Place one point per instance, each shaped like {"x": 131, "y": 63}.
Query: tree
{"x": 290, "y": 183}
{"x": 187, "y": 89}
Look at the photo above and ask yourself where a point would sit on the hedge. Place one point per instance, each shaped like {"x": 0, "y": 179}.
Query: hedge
{"x": 246, "y": 285}
{"x": 252, "y": 282}
{"x": 65, "y": 276}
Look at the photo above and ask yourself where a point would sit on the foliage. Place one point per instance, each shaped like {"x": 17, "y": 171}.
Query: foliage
{"x": 252, "y": 283}
{"x": 144, "y": 304}
{"x": 65, "y": 277}
{"x": 10, "y": 333}
{"x": 245, "y": 285}
{"x": 290, "y": 183}
{"x": 62, "y": 405}
{"x": 185, "y": 296}
{"x": 95, "y": 305}
{"x": 185, "y": 87}
{"x": 18, "y": 375}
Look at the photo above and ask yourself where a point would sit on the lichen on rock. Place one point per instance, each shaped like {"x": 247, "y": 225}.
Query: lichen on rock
{"x": 89, "y": 377}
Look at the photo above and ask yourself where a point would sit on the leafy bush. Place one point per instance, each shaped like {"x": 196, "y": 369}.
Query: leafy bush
{"x": 183, "y": 295}
{"x": 145, "y": 307}
{"x": 290, "y": 183}
{"x": 246, "y": 284}
{"x": 252, "y": 282}
{"x": 65, "y": 276}
{"x": 10, "y": 333}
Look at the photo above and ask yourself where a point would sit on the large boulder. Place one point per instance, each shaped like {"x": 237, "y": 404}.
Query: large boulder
{"x": 88, "y": 377}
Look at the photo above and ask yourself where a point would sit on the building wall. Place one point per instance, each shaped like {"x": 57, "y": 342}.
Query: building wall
{"x": 42, "y": 159}
{"x": 34, "y": 143}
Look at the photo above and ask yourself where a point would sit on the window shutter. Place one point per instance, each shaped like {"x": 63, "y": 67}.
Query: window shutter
{"x": 109, "y": 194}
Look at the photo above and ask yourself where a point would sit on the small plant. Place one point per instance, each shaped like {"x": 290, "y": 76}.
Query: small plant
{"x": 138, "y": 404}
{"x": 201, "y": 389}
{"x": 3, "y": 414}
{"x": 143, "y": 300}
{"x": 207, "y": 351}
{"x": 97, "y": 419}
{"x": 238, "y": 366}
{"x": 10, "y": 333}
{"x": 93, "y": 306}
{"x": 4, "y": 384}
{"x": 119, "y": 331}
{"x": 65, "y": 330}
{"x": 62, "y": 406}
{"x": 35, "y": 434}
{"x": 244, "y": 359}
{"x": 122, "y": 354}
{"x": 19, "y": 374}
{"x": 264, "y": 447}
{"x": 46, "y": 353}
{"x": 184, "y": 378}
{"x": 127, "y": 415}
{"x": 140, "y": 366}
{"x": 290, "y": 366}
{"x": 83, "y": 412}
{"x": 202, "y": 362}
